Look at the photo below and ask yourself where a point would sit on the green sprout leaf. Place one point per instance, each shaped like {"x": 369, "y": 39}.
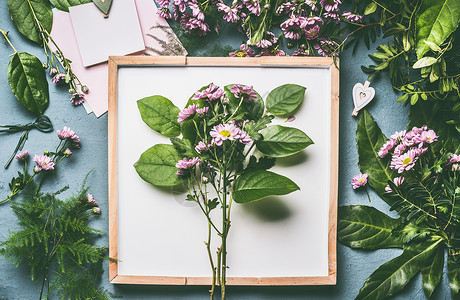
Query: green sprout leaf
{"x": 258, "y": 184}
{"x": 27, "y": 80}
{"x": 160, "y": 114}
{"x": 284, "y": 99}
{"x": 424, "y": 62}
{"x": 435, "y": 21}
{"x": 65, "y": 4}
{"x": 364, "y": 227}
{"x": 371, "y": 8}
{"x": 22, "y": 13}
{"x": 280, "y": 141}
{"x": 157, "y": 165}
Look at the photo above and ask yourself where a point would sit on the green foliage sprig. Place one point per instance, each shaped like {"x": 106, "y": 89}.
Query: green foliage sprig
{"x": 214, "y": 159}
{"x": 56, "y": 243}
{"x": 426, "y": 195}
{"x": 421, "y": 56}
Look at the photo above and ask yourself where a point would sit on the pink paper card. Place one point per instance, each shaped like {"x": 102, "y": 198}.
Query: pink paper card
{"x": 99, "y": 37}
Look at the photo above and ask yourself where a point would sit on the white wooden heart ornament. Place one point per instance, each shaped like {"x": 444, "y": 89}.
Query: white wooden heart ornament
{"x": 362, "y": 95}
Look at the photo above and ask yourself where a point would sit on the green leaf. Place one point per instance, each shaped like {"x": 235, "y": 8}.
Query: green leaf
{"x": 431, "y": 274}
{"x": 403, "y": 98}
{"x": 424, "y": 62}
{"x": 433, "y": 46}
{"x": 435, "y": 21}
{"x": 22, "y": 12}
{"x": 258, "y": 184}
{"x": 157, "y": 165}
{"x": 372, "y": 7}
{"x": 184, "y": 146}
{"x": 160, "y": 114}
{"x": 264, "y": 163}
{"x": 365, "y": 227}
{"x": 413, "y": 99}
{"x": 394, "y": 275}
{"x": 280, "y": 141}
{"x": 65, "y": 4}
{"x": 369, "y": 140}
{"x": 252, "y": 110}
{"x": 284, "y": 99}
{"x": 453, "y": 265}
{"x": 27, "y": 80}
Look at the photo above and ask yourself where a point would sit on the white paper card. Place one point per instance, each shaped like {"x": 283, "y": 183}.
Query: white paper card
{"x": 100, "y": 37}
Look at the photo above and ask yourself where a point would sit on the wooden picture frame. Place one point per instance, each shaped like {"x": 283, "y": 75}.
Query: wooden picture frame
{"x": 133, "y": 62}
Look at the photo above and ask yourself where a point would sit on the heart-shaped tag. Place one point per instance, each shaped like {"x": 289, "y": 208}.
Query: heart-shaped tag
{"x": 103, "y": 5}
{"x": 362, "y": 95}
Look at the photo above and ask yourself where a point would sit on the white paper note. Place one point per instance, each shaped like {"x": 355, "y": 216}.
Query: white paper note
{"x": 100, "y": 37}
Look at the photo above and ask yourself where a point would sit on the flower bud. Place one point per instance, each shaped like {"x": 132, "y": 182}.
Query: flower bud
{"x": 455, "y": 167}
{"x": 91, "y": 200}
{"x": 45, "y": 66}
{"x": 85, "y": 89}
{"x": 37, "y": 169}
{"x": 225, "y": 100}
{"x": 205, "y": 179}
{"x": 96, "y": 210}
{"x": 267, "y": 6}
{"x": 46, "y": 152}
{"x": 71, "y": 91}
{"x": 67, "y": 152}
{"x": 53, "y": 71}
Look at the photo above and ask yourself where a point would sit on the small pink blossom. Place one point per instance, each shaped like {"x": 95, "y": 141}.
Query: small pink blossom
{"x": 397, "y": 181}
{"x": 386, "y": 148}
{"x": 201, "y": 147}
{"x": 245, "y": 92}
{"x": 211, "y": 93}
{"x": 419, "y": 151}
{"x": 58, "y": 78}
{"x": 245, "y": 138}
{"x": 290, "y": 119}
{"x": 223, "y": 132}
{"x": 454, "y": 158}
{"x": 230, "y": 14}
{"x": 186, "y": 113}
{"x": 67, "y": 152}
{"x": 244, "y": 51}
{"x": 91, "y": 200}
{"x": 65, "y": 133}
{"x": 330, "y": 5}
{"x": 96, "y": 210}
{"x": 44, "y": 162}
{"x": 399, "y": 149}
{"x": 312, "y": 5}
{"x": 77, "y": 99}
{"x": 335, "y": 17}
{"x": 429, "y": 136}
{"x": 359, "y": 181}
{"x": 404, "y": 162}
{"x": 253, "y": 6}
{"x": 202, "y": 111}
{"x": 292, "y": 27}
{"x": 164, "y": 13}
{"x": 398, "y": 135}
{"x": 186, "y": 163}
{"x": 352, "y": 17}
{"x": 272, "y": 52}
{"x": 37, "y": 169}
{"x": 312, "y": 33}
{"x": 23, "y": 155}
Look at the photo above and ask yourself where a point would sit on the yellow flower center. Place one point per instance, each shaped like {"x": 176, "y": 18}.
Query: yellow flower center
{"x": 225, "y": 133}
{"x": 240, "y": 54}
{"x": 407, "y": 160}
{"x": 428, "y": 138}
{"x": 361, "y": 180}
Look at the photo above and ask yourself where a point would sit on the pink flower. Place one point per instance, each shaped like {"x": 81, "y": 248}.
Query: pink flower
{"x": 335, "y": 17}
{"x": 58, "y": 78}
{"x": 285, "y": 8}
{"x": 404, "y": 162}
{"x": 268, "y": 41}
{"x": 312, "y": 21}
{"x": 211, "y": 93}
{"x": 96, "y": 210}
{"x": 44, "y": 162}
{"x": 23, "y": 155}
{"x": 243, "y": 52}
{"x": 67, "y": 152}
{"x": 398, "y": 135}
{"x": 245, "y": 92}
{"x": 454, "y": 158}
{"x": 223, "y": 132}
{"x": 429, "y": 136}
{"x": 230, "y": 14}
{"x": 65, "y": 133}
{"x": 37, "y": 169}
{"x": 272, "y": 52}
{"x": 186, "y": 163}
{"x": 455, "y": 167}
{"x": 397, "y": 181}
{"x": 326, "y": 47}
{"x": 359, "y": 181}
{"x": 419, "y": 151}
{"x": 253, "y": 6}
{"x": 77, "y": 99}
{"x": 201, "y": 147}
{"x": 202, "y": 111}
{"x": 330, "y": 5}
{"x": 186, "y": 113}
{"x": 386, "y": 148}
{"x": 53, "y": 71}
{"x": 292, "y": 27}
{"x": 245, "y": 138}
{"x": 352, "y": 17}
{"x": 192, "y": 24}
{"x": 164, "y": 13}
{"x": 312, "y": 33}
{"x": 91, "y": 200}
{"x": 312, "y": 5}
{"x": 163, "y": 3}
{"x": 399, "y": 150}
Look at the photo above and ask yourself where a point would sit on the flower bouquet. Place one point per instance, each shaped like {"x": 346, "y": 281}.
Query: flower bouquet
{"x": 216, "y": 158}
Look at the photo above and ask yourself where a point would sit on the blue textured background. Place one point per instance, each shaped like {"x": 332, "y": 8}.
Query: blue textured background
{"x": 353, "y": 266}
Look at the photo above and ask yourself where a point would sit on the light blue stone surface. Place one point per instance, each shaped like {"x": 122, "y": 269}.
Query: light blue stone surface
{"x": 353, "y": 266}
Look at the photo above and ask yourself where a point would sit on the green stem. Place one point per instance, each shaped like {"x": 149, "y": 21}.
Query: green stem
{"x": 5, "y": 35}
{"x": 383, "y": 7}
